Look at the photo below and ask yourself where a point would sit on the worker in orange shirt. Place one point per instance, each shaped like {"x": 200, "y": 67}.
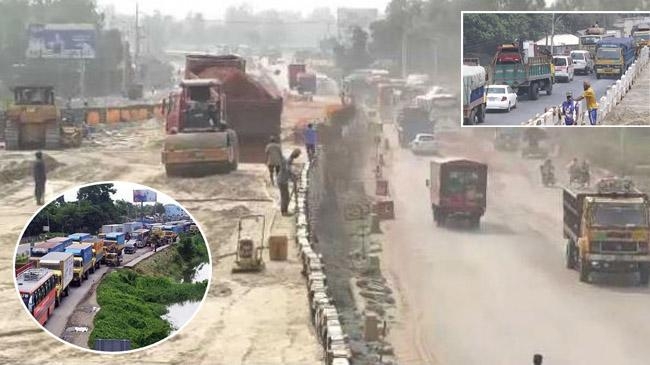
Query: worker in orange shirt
{"x": 590, "y": 98}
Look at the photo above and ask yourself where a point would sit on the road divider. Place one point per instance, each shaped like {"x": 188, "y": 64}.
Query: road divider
{"x": 113, "y": 115}
{"x": 613, "y": 96}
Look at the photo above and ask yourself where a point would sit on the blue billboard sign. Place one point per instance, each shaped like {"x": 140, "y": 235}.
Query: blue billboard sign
{"x": 143, "y": 196}
{"x": 63, "y": 41}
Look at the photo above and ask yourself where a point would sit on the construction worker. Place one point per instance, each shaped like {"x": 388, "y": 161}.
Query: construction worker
{"x": 574, "y": 170}
{"x": 590, "y": 97}
{"x": 310, "y": 141}
{"x": 39, "y": 178}
{"x": 273, "y": 158}
{"x": 569, "y": 109}
{"x": 284, "y": 178}
{"x": 537, "y": 359}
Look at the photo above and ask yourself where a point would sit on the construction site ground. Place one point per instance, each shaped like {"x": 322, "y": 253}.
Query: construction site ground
{"x": 634, "y": 109}
{"x": 260, "y": 318}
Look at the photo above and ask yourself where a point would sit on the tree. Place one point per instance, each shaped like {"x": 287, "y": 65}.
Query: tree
{"x": 158, "y": 208}
{"x": 97, "y": 194}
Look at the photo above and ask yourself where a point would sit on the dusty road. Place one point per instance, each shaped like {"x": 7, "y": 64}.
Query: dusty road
{"x": 246, "y": 319}
{"x": 499, "y": 295}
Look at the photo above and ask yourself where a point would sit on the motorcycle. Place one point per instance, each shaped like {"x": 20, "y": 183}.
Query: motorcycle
{"x": 548, "y": 177}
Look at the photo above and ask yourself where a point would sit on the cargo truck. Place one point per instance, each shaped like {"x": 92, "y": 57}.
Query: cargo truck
{"x": 293, "y": 70}
{"x": 411, "y": 121}
{"x": 119, "y": 237}
{"x": 62, "y": 265}
{"x": 607, "y": 229}
{"x": 522, "y": 70}
{"x": 306, "y": 83}
{"x": 641, "y": 35}
{"x": 474, "y": 96}
{"x": 98, "y": 252}
{"x": 83, "y": 260}
{"x": 614, "y": 56}
{"x": 141, "y": 237}
{"x": 41, "y": 249}
{"x": 79, "y": 237}
{"x": 458, "y": 188}
{"x": 108, "y": 228}
{"x": 591, "y": 36}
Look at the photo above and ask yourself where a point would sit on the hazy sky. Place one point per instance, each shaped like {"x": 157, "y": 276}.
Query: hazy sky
{"x": 214, "y": 9}
{"x": 124, "y": 192}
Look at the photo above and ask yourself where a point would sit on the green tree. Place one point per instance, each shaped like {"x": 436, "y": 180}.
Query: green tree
{"x": 97, "y": 194}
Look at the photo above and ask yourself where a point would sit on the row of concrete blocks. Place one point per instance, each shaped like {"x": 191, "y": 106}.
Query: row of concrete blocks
{"x": 323, "y": 313}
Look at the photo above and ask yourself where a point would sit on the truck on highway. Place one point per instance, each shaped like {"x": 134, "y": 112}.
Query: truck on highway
{"x": 607, "y": 229}
{"x": 98, "y": 251}
{"x": 62, "y": 265}
{"x": 457, "y": 188}
{"x": 614, "y": 56}
{"x": 474, "y": 95}
{"x": 411, "y": 121}
{"x": 108, "y": 228}
{"x": 41, "y": 249}
{"x": 523, "y": 70}
{"x": 641, "y": 35}
{"x": 83, "y": 261}
{"x": 591, "y": 36}
{"x": 307, "y": 82}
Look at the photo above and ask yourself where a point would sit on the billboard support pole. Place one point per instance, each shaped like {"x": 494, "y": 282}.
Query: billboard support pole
{"x": 82, "y": 79}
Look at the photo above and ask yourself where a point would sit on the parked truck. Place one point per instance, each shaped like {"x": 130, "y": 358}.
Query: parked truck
{"x": 62, "y": 265}
{"x": 523, "y": 70}
{"x": 83, "y": 261}
{"x": 411, "y": 121}
{"x": 253, "y": 105}
{"x": 293, "y": 70}
{"x": 474, "y": 96}
{"x": 98, "y": 252}
{"x": 108, "y": 228}
{"x": 607, "y": 229}
{"x": 641, "y": 35}
{"x": 457, "y": 188}
{"x": 614, "y": 56}
{"x": 591, "y": 36}
{"x": 41, "y": 249}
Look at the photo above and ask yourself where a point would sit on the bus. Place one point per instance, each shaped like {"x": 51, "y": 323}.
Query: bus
{"x": 37, "y": 287}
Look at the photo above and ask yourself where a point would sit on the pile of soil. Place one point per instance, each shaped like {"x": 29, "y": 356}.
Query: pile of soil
{"x": 15, "y": 170}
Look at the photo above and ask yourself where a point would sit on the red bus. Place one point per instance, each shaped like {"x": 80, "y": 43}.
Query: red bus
{"x": 37, "y": 287}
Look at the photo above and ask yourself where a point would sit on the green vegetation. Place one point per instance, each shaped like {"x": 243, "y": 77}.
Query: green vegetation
{"x": 132, "y": 305}
{"x": 179, "y": 262}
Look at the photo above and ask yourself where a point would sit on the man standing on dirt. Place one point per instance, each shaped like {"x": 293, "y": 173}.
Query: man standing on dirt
{"x": 284, "y": 177}
{"x": 310, "y": 141}
{"x": 590, "y": 98}
{"x": 273, "y": 158}
{"x": 39, "y": 178}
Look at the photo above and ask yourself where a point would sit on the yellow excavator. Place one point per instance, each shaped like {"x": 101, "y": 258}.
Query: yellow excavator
{"x": 35, "y": 122}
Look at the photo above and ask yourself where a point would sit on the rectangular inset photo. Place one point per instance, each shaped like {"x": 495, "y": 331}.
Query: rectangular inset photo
{"x": 555, "y": 68}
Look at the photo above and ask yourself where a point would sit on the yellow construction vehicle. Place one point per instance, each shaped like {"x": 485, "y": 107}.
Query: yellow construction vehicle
{"x": 248, "y": 257}
{"x": 34, "y": 122}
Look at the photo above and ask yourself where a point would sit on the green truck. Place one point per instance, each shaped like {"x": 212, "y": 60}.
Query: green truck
{"x": 521, "y": 70}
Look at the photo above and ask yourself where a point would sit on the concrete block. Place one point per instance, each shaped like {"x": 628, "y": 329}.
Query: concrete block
{"x": 371, "y": 327}
{"x": 278, "y": 248}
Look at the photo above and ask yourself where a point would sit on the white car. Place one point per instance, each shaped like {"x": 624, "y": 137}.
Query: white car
{"x": 501, "y": 97}
{"x": 582, "y": 62}
{"x": 424, "y": 143}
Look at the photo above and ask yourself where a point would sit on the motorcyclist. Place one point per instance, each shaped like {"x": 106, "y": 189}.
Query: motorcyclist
{"x": 569, "y": 109}
{"x": 574, "y": 170}
{"x": 548, "y": 172}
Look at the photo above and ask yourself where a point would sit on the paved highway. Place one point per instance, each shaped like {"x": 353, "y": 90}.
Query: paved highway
{"x": 527, "y": 109}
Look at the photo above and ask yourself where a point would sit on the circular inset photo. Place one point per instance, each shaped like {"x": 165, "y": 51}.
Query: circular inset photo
{"x": 112, "y": 267}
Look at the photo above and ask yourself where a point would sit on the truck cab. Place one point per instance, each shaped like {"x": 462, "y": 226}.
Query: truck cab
{"x": 614, "y": 56}
{"x": 608, "y": 230}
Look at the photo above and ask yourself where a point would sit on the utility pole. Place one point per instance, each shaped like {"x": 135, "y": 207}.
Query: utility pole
{"x": 552, "y": 32}
{"x": 404, "y": 51}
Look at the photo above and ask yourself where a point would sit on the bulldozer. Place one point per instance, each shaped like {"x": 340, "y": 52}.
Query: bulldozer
{"x": 248, "y": 257}
{"x": 35, "y": 122}
{"x": 198, "y": 140}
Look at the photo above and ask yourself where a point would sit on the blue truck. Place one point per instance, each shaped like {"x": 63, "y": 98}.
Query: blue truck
{"x": 614, "y": 56}
{"x": 119, "y": 237}
{"x": 83, "y": 261}
{"x": 80, "y": 237}
{"x": 474, "y": 100}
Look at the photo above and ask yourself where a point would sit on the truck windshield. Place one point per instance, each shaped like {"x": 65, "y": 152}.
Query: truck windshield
{"x": 578, "y": 56}
{"x": 78, "y": 262}
{"x": 589, "y": 40}
{"x": 608, "y": 53}
{"x": 619, "y": 215}
{"x": 461, "y": 181}
{"x": 644, "y": 37}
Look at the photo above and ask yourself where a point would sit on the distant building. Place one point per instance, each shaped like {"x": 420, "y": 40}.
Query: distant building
{"x": 173, "y": 210}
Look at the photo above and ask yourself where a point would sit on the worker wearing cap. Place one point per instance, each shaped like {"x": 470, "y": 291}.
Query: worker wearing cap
{"x": 590, "y": 97}
{"x": 39, "y": 178}
{"x": 569, "y": 109}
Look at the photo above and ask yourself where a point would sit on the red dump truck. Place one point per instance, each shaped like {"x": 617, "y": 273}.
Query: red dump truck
{"x": 458, "y": 188}
{"x": 253, "y": 104}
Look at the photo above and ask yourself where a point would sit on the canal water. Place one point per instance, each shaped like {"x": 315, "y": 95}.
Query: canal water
{"x": 179, "y": 313}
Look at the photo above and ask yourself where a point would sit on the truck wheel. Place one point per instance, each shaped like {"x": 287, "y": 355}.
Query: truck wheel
{"x": 532, "y": 92}
{"x": 549, "y": 88}
{"x": 481, "y": 115}
{"x": 644, "y": 275}
{"x": 584, "y": 271}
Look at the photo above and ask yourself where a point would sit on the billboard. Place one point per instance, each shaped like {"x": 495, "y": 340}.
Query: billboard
{"x": 143, "y": 196}
{"x": 61, "y": 41}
